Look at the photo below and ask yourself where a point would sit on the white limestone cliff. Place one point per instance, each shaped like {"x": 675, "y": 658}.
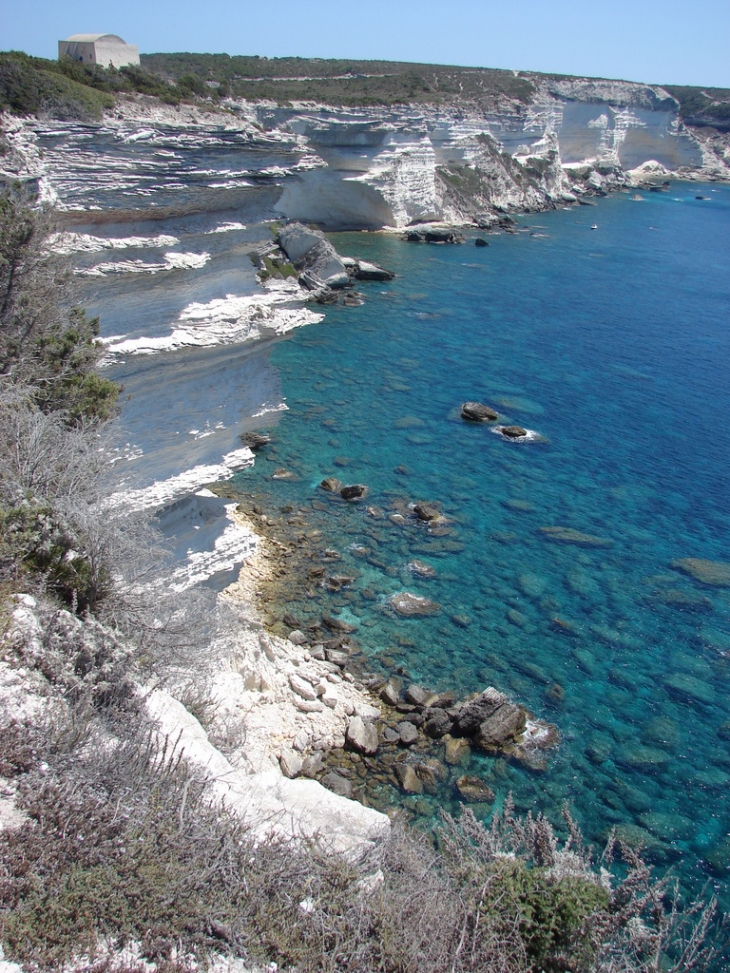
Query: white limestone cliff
{"x": 373, "y": 166}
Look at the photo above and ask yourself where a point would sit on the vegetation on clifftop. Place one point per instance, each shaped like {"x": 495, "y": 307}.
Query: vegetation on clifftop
{"x": 66, "y": 89}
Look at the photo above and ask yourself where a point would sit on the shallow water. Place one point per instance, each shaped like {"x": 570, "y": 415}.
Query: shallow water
{"x": 613, "y": 344}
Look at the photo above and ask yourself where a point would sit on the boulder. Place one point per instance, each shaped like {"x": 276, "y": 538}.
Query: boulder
{"x": 503, "y": 726}
{"x": 478, "y": 412}
{"x": 408, "y": 779}
{"x": 357, "y": 491}
{"x": 418, "y": 696}
{"x": 421, "y": 569}
{"x": 331, "y": 484}
{"x": 313, "y": 255}
{"x": 408, "y": 605}
{"x": 301, "y": 687}
{"x": 362, "y": 737}
{"x": 457, "y": 751}
{"x": 443, "y": 234}
{"x": 298, "y": 637}
{"x": 255, "y": 440}
{"x": 407, "y": 733}
{"x": 389, "y": 694}
{"x": 363, "y": 270}
{"x": 513, "y": 432}
{"x": 474, "y": 790}
{"x": 475, "y": 712}
{"x": 291, "y": 764}
{"x": 434, "y": 234}
{"x": 428, "y": 512}
{"x": 338, "y": 657}
{"x": 438, "y": 723}
{"x": 481, "y": 242}
{"x": 337, "y": 784}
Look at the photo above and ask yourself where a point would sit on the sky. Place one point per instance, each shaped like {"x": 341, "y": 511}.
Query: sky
{"x": 654, "y": 41}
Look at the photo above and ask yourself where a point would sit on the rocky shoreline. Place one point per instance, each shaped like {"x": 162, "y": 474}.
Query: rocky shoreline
{"x": 398, "y": 745}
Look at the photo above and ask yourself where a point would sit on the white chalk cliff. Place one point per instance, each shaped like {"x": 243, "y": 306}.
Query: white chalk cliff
{"x": 364, "y": 167}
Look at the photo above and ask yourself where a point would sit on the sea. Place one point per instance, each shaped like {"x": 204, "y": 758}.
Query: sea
{"x": 584, "y": 570}
{"x": 605, "y": 333}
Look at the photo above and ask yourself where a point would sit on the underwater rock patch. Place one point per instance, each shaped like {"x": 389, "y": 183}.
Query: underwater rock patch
{"x": 568, "y": 535}
{"x": 713, "y": 573}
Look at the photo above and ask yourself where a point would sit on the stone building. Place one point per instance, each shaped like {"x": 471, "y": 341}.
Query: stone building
{"x": 107, "y": 50}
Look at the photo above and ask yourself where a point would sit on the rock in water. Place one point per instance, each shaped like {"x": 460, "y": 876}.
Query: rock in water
{"x": 474, "y": 790}
{"x": 568, "y": 535}
{"x": 713, "y": 573}
{"x": 473, "y": 714}
{"x": 503, "y": 726}
{"x": 411, "y": 606}
{"x": 357, "y": 491}
{"x": 337, "y": 784}
{"x": 367, "y": 271}
{"x": 311, "y": 253}
{"x": 362, "y": 737}
{"x": 478, "y": 412}
{"x": 408, "y": 779}
{"x": 255, "y": 440}
{"x": 331, "y": 484}
{"x": 513, "y": 432}
{"x": 438, "y": 723}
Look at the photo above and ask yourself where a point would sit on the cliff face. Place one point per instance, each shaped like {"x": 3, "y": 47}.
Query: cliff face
{"x": 368, "y": 167}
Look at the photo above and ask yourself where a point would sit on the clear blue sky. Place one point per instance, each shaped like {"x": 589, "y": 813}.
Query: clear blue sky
{"x": 646, "y": 40}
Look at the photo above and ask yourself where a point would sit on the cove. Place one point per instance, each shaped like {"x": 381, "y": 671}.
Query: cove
{"x": 613, "y": 345}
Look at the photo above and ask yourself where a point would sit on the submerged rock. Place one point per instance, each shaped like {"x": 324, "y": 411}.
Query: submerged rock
{"x": 421, "y": 569}
{"x": 713, "y": 573}
{"x": 428, "y": 512}
{"x": 411, "y": 606}
{"x": 408, "y": 779}
{"x": 457, "y": 751}
{"x": 337, "y": 784}
{"x": 568, "y": 535}
{"x": 474, "y": 790}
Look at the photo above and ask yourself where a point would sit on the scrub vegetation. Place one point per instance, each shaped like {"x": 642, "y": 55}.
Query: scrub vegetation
{"x": 66, "y": 89}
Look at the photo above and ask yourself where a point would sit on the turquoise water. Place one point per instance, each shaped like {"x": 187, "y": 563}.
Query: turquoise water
{"x": 613, "y": 344}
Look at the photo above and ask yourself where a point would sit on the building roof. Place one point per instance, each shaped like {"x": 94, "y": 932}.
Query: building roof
{"x": 91, "y": 38}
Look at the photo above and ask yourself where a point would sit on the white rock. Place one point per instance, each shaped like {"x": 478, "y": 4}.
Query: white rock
{"x": 302, "y": 687}
{"x": 366, "y": 712}
{"x": 301, "y": 740}
{"x": 291, "y": 764}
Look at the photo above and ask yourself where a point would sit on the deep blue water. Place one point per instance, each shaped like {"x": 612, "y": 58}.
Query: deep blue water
{"x": 614, "y": 345}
